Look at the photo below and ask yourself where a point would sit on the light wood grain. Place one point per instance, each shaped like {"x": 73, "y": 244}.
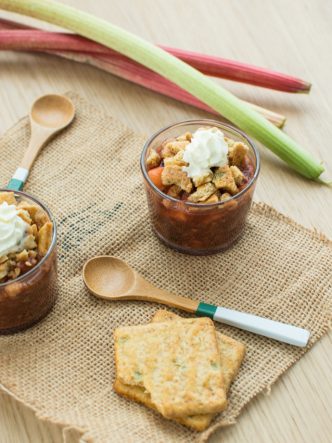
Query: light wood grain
{"x": 294, "y": 37}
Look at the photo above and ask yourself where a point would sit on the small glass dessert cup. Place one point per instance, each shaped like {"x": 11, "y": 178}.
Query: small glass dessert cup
{"x": 28, "y": 298}
{"x": 199, "y": 228}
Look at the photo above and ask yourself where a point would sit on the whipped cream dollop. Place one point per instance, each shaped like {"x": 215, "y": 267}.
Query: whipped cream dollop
{"x": 12, "y": 229}
{"x": 206, "y": 150}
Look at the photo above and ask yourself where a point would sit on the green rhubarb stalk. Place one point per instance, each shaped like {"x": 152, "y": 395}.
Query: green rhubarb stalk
{"x": 175, "y": 70}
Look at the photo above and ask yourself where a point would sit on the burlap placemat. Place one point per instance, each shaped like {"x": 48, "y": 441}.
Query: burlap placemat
{"x": 63, "y": 367}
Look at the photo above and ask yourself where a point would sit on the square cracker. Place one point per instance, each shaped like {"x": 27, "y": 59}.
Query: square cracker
{"x": 177, "y": 362}
{"x": 232, "y": 353}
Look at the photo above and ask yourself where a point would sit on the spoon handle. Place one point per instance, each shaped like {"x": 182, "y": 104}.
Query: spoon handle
{"x": 17, "y": 181}
{"x": 259, "y": 325}
{"x": 39, "y": 137}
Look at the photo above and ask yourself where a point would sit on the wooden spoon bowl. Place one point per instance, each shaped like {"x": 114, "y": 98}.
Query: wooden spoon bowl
{"x": 52, "y": 111}
{"x": 111, "y": 278}
{"x": 108, "y": 277}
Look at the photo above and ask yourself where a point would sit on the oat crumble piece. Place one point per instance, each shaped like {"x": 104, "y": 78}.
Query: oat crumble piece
{"x": 40, "y": 218}
{"x": 176, "y": 160}
{"x": 237, "y": 174}
{"x": 22, "y": 256}
{"x": 153, "y": 159}
{"x": 223, "y": 179}
{"x": 171, "y": 148}
{"x": 173, "y": 175}
{"x": 206, "y": 178}
{"x": 44, "y": 238}
{"x": 213, "y": 199}
{"x": 30, "y": 242}
{"x": 24, "y": 214}
{"x": 33, "y": 230}
{"x": 237, "y": 152}
{"x": 202, "y": 193}
{"x": 31, "y": 209}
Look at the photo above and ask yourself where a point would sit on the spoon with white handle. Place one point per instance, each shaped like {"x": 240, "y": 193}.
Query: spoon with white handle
{"x": 111, "y": 278}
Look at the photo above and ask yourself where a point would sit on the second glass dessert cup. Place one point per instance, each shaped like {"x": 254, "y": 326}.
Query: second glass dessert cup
{"x": 29, "y": 298}
{"x": 196, "y": 228}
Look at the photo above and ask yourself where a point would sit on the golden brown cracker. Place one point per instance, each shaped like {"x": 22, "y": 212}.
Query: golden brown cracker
{"x": 178, "y": 364}
{"x": 232, "y": 354}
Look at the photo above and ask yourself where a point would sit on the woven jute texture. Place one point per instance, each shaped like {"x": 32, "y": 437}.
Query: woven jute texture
{"x": 63, "y": 367}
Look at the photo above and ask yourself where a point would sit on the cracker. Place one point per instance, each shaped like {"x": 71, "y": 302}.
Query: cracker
{"x": 231, "y": 351}
{"x": 177, "y": 362}
{"x": 140, "y": 395}
{"x": 232, "y": 354}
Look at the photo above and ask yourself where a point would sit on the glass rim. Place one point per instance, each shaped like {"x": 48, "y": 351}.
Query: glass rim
{"x": 209, "y": 122}
{"x": 54, "y": 236}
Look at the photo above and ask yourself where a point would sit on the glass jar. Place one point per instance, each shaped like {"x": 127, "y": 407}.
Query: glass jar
{"x": 27, "y": 299}
{"x": 196, "y": 228}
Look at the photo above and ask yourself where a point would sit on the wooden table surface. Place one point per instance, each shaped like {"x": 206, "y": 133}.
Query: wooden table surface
{"x": 294, "y": 37}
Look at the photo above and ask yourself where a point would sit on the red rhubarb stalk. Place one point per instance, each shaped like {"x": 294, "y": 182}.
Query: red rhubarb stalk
{"x": 24, "y": 39}
{"x": 241, "y": 72}
{"x": 118, "y": 64}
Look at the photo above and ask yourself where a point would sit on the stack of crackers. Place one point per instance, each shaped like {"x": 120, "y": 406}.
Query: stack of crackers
{"x": 180, "y": 367}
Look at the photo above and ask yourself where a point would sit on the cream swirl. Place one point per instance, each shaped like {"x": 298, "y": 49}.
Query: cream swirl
{"x": 12, "y": 229}
{"x": 206, "y": 150}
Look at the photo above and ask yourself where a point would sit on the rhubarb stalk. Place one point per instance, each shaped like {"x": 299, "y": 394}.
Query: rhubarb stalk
{"x": 174, "y": 70}
{"x": 109, "y": 61}
{"x": 241, "y": 72}
{"x": 214, "y": 66}
{"x": 138, "y": 74}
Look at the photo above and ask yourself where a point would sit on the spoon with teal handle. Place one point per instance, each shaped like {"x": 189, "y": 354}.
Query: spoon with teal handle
{"x": 49, "y": 114}
{"x": 111, "y": 278}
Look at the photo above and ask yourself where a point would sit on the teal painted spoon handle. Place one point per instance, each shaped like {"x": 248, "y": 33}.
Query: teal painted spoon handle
{"x": 258, "y": 325}
{"x": 16, "y": 183}
{"x": 39, "y": 136}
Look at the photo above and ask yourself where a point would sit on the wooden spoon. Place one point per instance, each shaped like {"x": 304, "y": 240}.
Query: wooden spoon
{"x": 48, "y": 115}
{"x": 111, "y": 278}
